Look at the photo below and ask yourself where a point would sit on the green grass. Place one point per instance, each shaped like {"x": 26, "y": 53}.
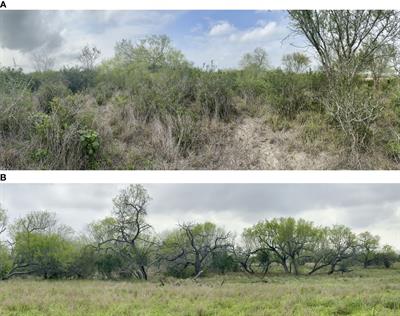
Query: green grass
{"x": 369, "y": 292}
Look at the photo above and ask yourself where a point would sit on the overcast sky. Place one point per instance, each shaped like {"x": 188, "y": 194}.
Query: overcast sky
{"x": 222, "y": 36}
{"x": 373, "y": 207}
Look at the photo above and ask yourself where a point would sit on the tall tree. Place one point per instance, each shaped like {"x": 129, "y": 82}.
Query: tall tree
{"x": 154, "y": 52}
{"x": 88, "y": 57}
{"x": 193, "y": 244}
{"x": 41, "y": 245}
{"x": 127, "y": 231}
{"x": 42, "y": 62}
{"x": 3, "y": 220}
{"x": 288, "y": 238}
{"x": 347, "y": 40}
{"x": 295, "y": 62}
{"x": 368, "y": 245}
{"x": 256, "y": 60}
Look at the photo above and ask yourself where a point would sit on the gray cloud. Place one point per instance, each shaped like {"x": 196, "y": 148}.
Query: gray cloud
{"x": 374, "y": 207}
{"x": 26, "y": 31}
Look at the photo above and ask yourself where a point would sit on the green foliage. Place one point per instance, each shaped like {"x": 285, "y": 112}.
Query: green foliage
{"x": 252, "y": 87}
{"x": 47, "y": 255}
{"x": 214, "y": 94}
{"x": 387, "y": 256}
{"x": 295, "y": 62}
{"x": 90, "y": 142}
{"x": 154, "y": 52}
{"x": 323, "y": 295}
{"x": 255, "y": 61}
{"x": 290, "y": 93}
{"x": 40, "y": 154}
{"x": 77, "y": 79}
{"x": 6, "y": 260}
{"x": 41, "y": 123}
{"x": 48, "y": 91}
{"x": 393, "y": 149}
{"x": 159, "y": 111}
{"x": 103, "y": 92}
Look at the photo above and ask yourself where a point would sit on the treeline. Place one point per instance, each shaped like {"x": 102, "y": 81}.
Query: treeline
{"x": 124, "y": 245}
{"x": 148, "y": 107}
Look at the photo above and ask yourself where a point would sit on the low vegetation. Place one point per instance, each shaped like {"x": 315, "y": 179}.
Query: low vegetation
{"x": 361, "y": 292}
{"x": 149, "y": 108}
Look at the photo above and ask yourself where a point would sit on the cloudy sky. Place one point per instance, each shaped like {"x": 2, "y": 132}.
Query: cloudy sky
{"x": 221, "y": 36}
{"x": 373, "y": 207}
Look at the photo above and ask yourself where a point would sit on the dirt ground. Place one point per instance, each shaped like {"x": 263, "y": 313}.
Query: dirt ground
{"x": 276, "y": 150}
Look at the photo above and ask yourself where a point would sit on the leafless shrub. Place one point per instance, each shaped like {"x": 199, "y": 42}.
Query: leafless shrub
{"x": 42, "y": 62}
{"x": 355, "y": 111}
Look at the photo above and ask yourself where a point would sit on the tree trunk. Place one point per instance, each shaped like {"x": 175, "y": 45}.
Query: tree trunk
{"x": 197, "y": 264}
{"x": 285, "y": 267}
{"x": 296, "y": 269}
{"x": 144, "y": 273}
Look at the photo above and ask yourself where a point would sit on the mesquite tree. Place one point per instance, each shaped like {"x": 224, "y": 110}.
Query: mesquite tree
{"x": 126, "y": 231}
{"x": 193, "y": 244}
{"x": 347, "y": 43}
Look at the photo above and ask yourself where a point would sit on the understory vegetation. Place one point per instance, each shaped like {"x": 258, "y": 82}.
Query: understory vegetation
{"x": 362, "y": 292}
{"x": 149, "y": 108}
{"x": 124, "y": 246}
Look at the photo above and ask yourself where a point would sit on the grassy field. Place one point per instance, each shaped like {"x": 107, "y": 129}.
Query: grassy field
{"x": 370, "y": 292}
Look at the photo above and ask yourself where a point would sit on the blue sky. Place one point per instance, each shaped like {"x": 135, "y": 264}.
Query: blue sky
{"x": 221, "y": 36}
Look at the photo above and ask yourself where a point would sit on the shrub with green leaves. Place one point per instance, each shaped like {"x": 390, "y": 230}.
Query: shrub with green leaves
{"x": 77, "y": 79}
{"x": 41, "y": 123}
{"x": 215, "y": 94}
{"x": 90, "y": 143}
{"x": 290, "y": 93}
{"x": 48, "y": 91}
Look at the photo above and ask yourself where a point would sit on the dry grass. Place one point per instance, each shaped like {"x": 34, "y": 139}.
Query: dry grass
{"x": 259, "y": 140}
{"x": 368, "y": 292}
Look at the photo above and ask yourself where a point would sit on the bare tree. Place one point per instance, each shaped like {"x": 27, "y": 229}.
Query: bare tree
{"x": 42, "y": 62}
{"x": 193, "y": 244}
{"x": 3, "y": 220}
{"x": 40, "y": 221}
{"x": 88, "y": 57}
{"x": 127, "y": 231}
{"x": 382, "y": 64}
{"x": 346, "y": 40}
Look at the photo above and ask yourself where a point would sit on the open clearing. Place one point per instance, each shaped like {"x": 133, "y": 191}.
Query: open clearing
{"x": 363, "y": 292}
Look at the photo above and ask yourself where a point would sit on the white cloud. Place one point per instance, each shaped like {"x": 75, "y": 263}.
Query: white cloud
{"x": 68, "y": 31}
{"x": 373, "y": 207}
{"x": 221, "y": 28}
{"x": 257, "y": 33}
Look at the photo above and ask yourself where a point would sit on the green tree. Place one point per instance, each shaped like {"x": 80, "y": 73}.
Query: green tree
{"x": 41, "y": 245}
{"x": 368, "y": 245}
{"x": 256, "y": 60}
{"x": 155, "y": 51}
{"x": 126, "y": 232}
{"x": 346, "y": 42}
{"x": 387, "y": 256}
{"x": 193, "y": 245}
{"x": 46, "y": 255}
{"x": 295, "y": 62}
{"x": 287, "y": 238}
{"x": 342, "y": 244}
